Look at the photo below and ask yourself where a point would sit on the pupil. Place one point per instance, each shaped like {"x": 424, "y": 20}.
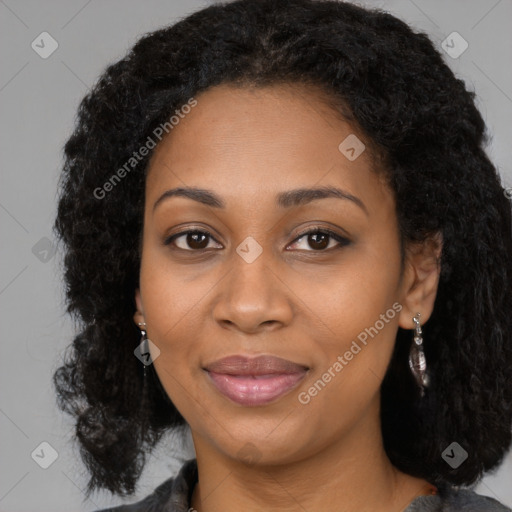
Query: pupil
{"x": 192, "y": 242}
{"x": 318, "y": 245}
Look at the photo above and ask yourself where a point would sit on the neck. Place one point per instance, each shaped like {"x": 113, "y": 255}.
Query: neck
{"x": 351, "y": 474}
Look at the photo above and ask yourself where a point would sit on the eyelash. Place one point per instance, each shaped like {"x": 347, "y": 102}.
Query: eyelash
{"x": 315, "y": 230}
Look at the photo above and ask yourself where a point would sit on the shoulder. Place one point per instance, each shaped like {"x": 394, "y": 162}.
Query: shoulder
{"x": 456, "y": 500}
{"x": 464, "y": 499}
{"x": 173, "y": 495}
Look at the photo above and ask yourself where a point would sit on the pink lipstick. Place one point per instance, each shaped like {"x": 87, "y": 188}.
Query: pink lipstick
{"x": 253, "y": 381}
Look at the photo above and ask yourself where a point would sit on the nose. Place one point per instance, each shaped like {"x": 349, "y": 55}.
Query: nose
{"x": 253, "y": 297}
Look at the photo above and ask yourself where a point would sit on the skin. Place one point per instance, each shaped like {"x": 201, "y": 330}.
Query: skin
{"x": 296, "y": 300}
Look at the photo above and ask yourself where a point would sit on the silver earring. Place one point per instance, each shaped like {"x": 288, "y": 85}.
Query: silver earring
{"x": 417, "y": 360}
{"x": 144, "y": 344}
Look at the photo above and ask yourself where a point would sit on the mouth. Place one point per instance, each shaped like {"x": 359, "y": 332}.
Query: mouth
{"x": 255, "y": 381}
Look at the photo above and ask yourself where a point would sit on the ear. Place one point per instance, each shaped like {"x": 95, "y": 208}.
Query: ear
{"x": 138, "y": 316}
{"x": 420, "y": 280}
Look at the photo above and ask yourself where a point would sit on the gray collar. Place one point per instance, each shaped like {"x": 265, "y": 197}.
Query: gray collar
{"x": 175, "y": 494}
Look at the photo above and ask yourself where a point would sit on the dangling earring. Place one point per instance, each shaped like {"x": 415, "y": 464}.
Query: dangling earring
{"x": 142, "y": 354}
{"x": 417, "y": 360}
{"x": 143, "y": 347}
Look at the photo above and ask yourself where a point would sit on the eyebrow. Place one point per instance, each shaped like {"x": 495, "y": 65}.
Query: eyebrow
{"x": 288, "y": 199}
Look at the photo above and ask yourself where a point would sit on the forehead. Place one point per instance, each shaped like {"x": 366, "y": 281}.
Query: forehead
{"x": 247, "y": 142}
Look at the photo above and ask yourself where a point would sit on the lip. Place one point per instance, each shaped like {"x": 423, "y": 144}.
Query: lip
{"x": 253, "y": 381}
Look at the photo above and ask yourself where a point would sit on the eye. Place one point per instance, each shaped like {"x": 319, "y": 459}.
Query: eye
{"x": 191, "y": 240}
{"x": 319, "y": 239}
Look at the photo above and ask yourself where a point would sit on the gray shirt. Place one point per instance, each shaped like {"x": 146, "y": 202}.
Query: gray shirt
{"x": 174, "y": 495}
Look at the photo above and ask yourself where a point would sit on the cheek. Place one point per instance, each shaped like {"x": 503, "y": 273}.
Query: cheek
{"x": 359, "y": 292}
{"x": 353, "y": 359}
{"x": 172, "y": 293}
{"x": 362, "y": 316}
{"x": 175, "y": 323}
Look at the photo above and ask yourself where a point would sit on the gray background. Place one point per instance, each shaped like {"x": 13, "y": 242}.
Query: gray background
{"x": 38, "y": 100}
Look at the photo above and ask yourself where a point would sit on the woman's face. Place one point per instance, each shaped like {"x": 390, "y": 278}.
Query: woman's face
{"x": 256, "y": 285}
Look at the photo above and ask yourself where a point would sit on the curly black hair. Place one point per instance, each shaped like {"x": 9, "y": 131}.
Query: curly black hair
{"x": 392, "y": 84}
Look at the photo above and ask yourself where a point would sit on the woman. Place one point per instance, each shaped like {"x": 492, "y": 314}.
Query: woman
{"x": 282, "y": 231}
